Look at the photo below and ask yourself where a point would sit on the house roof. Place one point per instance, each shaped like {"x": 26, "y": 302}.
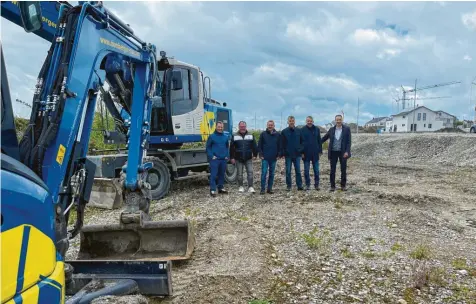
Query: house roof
{"x": 410, "y": 111}
{"x": 376, "y": 119}
{"x": 445, "y": 113}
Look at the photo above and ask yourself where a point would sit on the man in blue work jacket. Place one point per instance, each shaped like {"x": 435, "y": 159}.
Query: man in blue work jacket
{"x": 218, "y": 155}
{"x": 291, "y": 142}
{"x": 311, "y": 136}
{"x": 269, "y": 146}
{"x": 339, "y": 150}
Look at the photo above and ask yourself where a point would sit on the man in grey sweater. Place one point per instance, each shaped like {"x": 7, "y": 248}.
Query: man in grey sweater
{"x": 339, "y": 150}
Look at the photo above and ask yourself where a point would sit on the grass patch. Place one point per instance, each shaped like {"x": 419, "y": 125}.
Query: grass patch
{"x": 189, "y": 212}
{"x": 460, "y": 264}
{"x": 260, "y": 302}
{"x": 461, "y": 293}
{"x": 437, "y": 277}
{"x": 346, "y": 253}
{"x": 409, "y": 295}
{"x": 369, "y": 254}
{"x": 397, "y": 247}
{"x": 421, "y": 252}
{"x": 243, "y": 218}
{"x": 317, "y": 239}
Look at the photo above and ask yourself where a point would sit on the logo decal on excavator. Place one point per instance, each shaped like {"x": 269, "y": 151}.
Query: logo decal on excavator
{"x": 207, "y": 126}
{"x": 60, "y": 155}
{"x": 118, "y": 46}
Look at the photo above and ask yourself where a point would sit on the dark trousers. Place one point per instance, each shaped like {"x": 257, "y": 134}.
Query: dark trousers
{"x": 217, "y": 168}
{"x": 338, "y": 156}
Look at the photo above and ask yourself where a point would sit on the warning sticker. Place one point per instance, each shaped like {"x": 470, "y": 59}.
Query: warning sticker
{"x": 60, "y": 155}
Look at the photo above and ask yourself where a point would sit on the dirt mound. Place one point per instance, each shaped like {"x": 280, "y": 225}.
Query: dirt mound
{"x": 446, "y": 149}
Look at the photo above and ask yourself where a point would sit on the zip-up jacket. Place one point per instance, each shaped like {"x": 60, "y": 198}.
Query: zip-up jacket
{"x": 291, "y": 142}
{"x": 218, "y": 146}
{"x": 269, "y": 145}
{"x": 311, "y": 138}
{"x": 243, "y": 147}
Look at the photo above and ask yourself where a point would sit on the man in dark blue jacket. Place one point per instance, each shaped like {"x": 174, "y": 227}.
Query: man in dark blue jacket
{"x": 218, "y": 155}
{"x": 242, "y": 150}
{"x": 339, "y": 150}
{"x": 311, "y": 136}
{"x": 269, "y": 146}
{"x": 291, "y": 143}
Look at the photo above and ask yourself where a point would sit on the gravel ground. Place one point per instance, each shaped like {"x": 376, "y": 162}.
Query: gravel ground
{"x": 404, "y": 232}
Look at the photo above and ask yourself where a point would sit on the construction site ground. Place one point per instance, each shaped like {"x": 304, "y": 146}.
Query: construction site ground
{"x": 404, "y": 232}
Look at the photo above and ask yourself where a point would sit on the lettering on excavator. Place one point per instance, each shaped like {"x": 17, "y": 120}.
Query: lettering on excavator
{"x": 119, "y": 46}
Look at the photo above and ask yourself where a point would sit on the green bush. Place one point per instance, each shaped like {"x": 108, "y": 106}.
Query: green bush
{"x": 96, "y": 141}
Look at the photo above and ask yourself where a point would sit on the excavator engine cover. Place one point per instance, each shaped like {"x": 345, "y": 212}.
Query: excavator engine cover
{"x": 146, "y": 240}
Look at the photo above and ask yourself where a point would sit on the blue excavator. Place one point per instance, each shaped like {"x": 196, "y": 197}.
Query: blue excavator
{"x": 47, "y": 174}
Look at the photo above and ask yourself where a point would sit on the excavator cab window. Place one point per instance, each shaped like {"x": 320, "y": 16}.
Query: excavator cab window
{"x": 181, "y": 99}
{"x": 30, "y": 12}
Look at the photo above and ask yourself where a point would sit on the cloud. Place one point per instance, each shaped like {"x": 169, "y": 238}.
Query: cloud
{"x": 273, "y": 58}
{"x": 467, "y": 57}
{"x": 469, "y": 20}
{"x": 316, "y": 31}
{"x": 384, "y": 36}
{"x": 388, "y": 53}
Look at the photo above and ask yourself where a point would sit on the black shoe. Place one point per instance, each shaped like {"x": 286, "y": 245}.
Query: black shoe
{"x": 270, "y": 191}
{"x": 288, "y": 189}
{"x": 332, "y": 189}
{"x": 308, "y": 188}
{"x": 343, "y": 188}
{"x": 213, "y": 193}
{"x": 300, "y": 189}
{"x": 317, "y": 188}
{"x": 262, "y": 192}
{"x": 222, "y": 191}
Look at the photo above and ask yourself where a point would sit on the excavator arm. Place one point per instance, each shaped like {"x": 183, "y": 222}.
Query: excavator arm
{"x": 49, "y": 15}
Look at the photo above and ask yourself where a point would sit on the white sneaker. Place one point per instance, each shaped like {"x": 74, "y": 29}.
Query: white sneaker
{"x": 251, "y": 190}
{"x": 241, "y": 189}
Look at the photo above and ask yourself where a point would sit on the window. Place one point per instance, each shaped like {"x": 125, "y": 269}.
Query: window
{"x": 403, "y": 116}
{"x": 194, "y": 91}
{"x": 419, "y": 117}
{"x": 424, "y": 116}
{"x": 424, "y": 125}
{"x": 429, "y": 126}
{"x": 181, "y": 99}
{"x": 403, "y": 125}
{"x": 448, "y": 120}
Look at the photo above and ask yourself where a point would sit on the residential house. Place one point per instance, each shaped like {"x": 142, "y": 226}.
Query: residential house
{"x": 421, "y": 119}
{"x": 388, "y": 125}
{"x": 377, "y": 122}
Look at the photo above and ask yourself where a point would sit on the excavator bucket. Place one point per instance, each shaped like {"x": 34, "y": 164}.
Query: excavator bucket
{"x": 147, "y": 240}
{"x": 106, "y": 193}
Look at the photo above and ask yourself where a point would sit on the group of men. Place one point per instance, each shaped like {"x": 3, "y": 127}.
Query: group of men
{"x": 292, "y": 143}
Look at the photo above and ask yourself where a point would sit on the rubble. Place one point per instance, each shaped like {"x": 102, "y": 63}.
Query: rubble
{"x": 393, "y": 239}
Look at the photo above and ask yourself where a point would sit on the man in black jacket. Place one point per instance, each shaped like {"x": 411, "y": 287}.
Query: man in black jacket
{"x": 339, "y": 150}
{"x": 243, "y": 149}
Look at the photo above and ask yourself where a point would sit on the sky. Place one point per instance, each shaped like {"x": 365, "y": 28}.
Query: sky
{"x": 273, "y": 59}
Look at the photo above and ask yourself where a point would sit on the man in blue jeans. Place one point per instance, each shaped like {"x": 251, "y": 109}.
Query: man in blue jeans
{"x": 269, "y": 146}
{"x": 311, "y": 136}
{"x": 218, "y": 155}
{"x": 291, "y": 143}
